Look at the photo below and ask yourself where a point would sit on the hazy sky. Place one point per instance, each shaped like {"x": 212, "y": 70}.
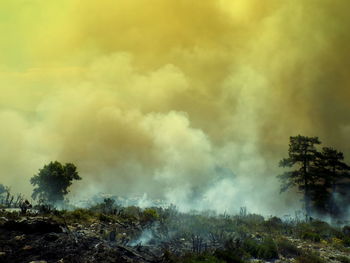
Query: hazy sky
{"x": 171, "y": 97}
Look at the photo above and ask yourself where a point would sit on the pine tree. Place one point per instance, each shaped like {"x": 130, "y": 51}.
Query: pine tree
{"x": 329, "y": 170}
{"x": 301, "y": 155}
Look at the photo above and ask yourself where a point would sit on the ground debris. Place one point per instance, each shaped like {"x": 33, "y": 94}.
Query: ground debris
{"x": 45, "y": 240}
{"x": 32, "y": 225}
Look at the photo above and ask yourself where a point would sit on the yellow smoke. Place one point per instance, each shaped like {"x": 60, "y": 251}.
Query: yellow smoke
{"x": 155, "y": 95}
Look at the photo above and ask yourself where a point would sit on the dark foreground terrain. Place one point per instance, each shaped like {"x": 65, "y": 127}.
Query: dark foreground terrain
{"x": 107, "y": 234}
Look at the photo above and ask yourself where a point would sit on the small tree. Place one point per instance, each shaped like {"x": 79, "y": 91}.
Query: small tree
{"x": 301, "y": 155}
{"x": 53, "y": 180}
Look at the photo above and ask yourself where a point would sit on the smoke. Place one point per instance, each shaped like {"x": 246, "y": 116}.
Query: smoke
{"x": 188, "y": 101}
{"x": 145, "y": 237}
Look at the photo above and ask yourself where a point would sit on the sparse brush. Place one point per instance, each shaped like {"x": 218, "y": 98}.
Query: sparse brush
{"x": 343, "y": 259}
{"x": 80, "y": 216}
{"x": 234, "y": 256}
{"x": 309, "y": 257}
{"x": 207, "y": 258}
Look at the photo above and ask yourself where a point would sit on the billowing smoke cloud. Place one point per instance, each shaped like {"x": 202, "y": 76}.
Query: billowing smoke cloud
{"x": 191, "y": 101}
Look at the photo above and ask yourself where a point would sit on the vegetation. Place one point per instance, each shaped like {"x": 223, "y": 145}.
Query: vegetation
{"x": 8, "y": 199}
{"x": 301, "y": 153}
{"x": 319, "y": 175}
{"x": 310, "y": 257}
{"x": 343, "y": 259}
{"x": 287, "y": 249}
{"x": 208, "y": 237}
{"x": 52, "y": 182}
{"x": 200, "y": 237}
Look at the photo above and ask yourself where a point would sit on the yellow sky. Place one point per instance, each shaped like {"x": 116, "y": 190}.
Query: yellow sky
{"x": 145, "y": 91}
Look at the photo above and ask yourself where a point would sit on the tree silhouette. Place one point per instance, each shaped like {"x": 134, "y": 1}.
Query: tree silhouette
{"x": 301, "y": 155}
{"x": 329, "y": 169}
{"x": 53, "y": 180}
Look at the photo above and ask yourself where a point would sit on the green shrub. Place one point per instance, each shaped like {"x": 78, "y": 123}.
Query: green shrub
{"x": 108, "y": 206}
{"x": 149, "y": 215}
{"x": 268, "y": 249}
{"x": 253, "y": 219}
{"x": 324, "y": 230}
{"x": 287, "y": 248}
{"x": 274, "y": 223}
{"x": 251, "y": 246}
{"x": 105, "y": 218}
{"x": 80, "y": 215}
{"x": 311, "y": 236}
{"x": 130, "y": 213}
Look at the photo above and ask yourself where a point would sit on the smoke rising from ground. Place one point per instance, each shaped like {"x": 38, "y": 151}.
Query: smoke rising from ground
{"x": 184, "y": 100}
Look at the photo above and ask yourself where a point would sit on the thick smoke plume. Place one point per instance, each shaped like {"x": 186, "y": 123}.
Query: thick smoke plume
{"x": 191, "y": 101}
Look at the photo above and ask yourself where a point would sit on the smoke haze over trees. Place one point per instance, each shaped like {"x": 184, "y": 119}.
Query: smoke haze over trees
{"x": 182, "y": 100}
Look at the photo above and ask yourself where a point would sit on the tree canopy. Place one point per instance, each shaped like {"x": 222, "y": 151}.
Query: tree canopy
{"x": 53, "y": 180}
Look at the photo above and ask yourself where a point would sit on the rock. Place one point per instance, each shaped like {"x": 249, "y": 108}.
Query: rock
{"x": 38, "y": 261}
{"x": 3, "y": 220}
{"x": 19, "y": 238}
{"x": 27, "y": 247}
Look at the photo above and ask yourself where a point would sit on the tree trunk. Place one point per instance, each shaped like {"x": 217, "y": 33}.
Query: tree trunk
{"x": 306, "y": 189}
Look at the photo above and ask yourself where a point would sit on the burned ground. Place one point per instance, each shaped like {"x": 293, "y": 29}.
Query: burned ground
{"x": 132, "y": 234}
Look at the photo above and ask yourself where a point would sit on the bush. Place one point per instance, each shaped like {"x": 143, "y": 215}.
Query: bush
{"x": 267, "y": 249}
{"x": 274, "y": 223}
{"x": 324, "y": 230}
{"x": 80, "y": 215}
{"x": 149, "y": 215}
{"x": 130, "y": 213}
{"x": 105, "y": 218}
{"x": 287, "y": 249}
{"x": 108, "y": 207}
{"x": 253, "y": 219}
{"x": 311, "y": 236}
{"x": 251, "y": 246}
